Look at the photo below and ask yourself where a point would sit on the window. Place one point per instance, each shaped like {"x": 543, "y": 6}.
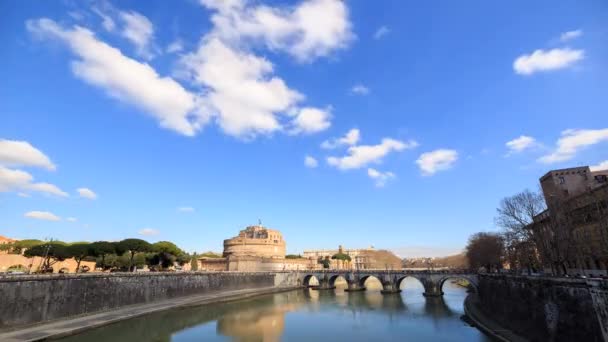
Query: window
{"x": 562, "y": 180}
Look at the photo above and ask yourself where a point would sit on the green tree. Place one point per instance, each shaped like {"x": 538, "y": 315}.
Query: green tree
{"x": 78, "y": 251}
{"x": 133, "y": 247}
{"x": 50, "y": 252}
{"x": 166, "y": 254}
{"x": 100, "y": 249}
{"x": 324, "y": 261}
{"x": 344, "y": 258}
{"x": 194, "y": 262}
{"x": 22, "y": 245}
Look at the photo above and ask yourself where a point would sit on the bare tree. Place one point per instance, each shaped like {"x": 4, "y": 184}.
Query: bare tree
{"x": 515, "y": 214}
{"x": 485, "y": 250}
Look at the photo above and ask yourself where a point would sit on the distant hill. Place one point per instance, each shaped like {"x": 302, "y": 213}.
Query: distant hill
{"x": 452, "y": 261}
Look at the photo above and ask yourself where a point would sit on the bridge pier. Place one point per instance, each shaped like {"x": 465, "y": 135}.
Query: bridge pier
{"x": 354, "y": 283}
{"x": 324, "y": 284}
{"x": 390, "y": 285}
{"x": 432, "y": 289}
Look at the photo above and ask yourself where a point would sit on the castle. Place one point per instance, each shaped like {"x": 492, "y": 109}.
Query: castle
{"x": 256, "y": 248}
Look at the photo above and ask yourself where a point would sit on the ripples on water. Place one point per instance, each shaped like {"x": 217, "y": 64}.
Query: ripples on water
{"x": 307, "y": 315}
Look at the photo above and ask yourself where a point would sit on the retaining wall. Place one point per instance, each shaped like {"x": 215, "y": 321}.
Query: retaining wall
{"x": 547, "y": 309}
{"x": 33, "y": 299}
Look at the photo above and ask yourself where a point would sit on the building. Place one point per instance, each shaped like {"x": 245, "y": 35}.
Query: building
{"x": 571, "y": 235}
{"x": 256, "y": 241}
{"x": 256, "y": 248}
{"x": 359, "y": 257}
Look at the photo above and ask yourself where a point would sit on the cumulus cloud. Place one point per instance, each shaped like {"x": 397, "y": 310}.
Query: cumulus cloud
{"x": 435, "y": 161}
{"x": 362, "y": 155}
{"x": 520, "y": 144}
{"x": 138, "y": 30}
{"x": 351, "y": 138}
{"x": 124, "y": 78}
{"x": 310, "y": 162}
{"x": 185, "y": 209}
{"x": 18, "y": 180}
{"x": 42, "y": 215}
{"x": 71, "y": 219}
{"x": 381, "y": 32}
{"x": 359, "y": 89}
{"x": 572, "y": 141}
{"x": 22, "y": 153}
{"x": 87, "y": 193}
{"x": 547, "y": 60}
{"x": 379, "y": 177}
{"x": 600, "y": 167}
{"x": 570, "y": 35}
{"x": 148, "y": 232}
{"x": 311, "y": 120}
{"x": 312, "y": 29}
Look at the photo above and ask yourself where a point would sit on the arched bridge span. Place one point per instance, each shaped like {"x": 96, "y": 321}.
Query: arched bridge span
{"x": 391, "y": 280}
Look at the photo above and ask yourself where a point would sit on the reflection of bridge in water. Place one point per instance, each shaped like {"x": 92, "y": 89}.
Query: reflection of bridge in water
{"x": 432, "y": 281}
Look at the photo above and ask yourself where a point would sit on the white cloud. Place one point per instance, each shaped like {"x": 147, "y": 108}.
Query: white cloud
{"x": 435, "y": 161}
{"x": 379, "y": 177}
{"x": 310, "y": 162}
{"x": 22, "y": 153}
{"x": 23, "y": 194}
{"x": 18, "y": 180}
{"x": 87, "y": 193}
{"x": 381, "y": 32}
{"x": 573, "y": 140}
{"x": 351, "y": 138}
{"x": 600, "y": 167}
{"x": 362, "y": 155}
{"x": 175, "y": 46}
{"x": 126, "y": 79}
{"x": 312, "y": 29}
{"x": 139, "y": 30}
{"x": 106, "y": 21}
{"x": 242, "y": 92}
{"x": 311, "y": 120}
{"x": 185, "y": 209}
{"x": 542, "y": 60}
{"x": 570, "y": 35}
{"x": 42, "y": 215}
{"x": 148, "y": 232}
{"x": 520, "y": 144}
{"x": 71, "y": 219}
{"x": 359, "y": 89}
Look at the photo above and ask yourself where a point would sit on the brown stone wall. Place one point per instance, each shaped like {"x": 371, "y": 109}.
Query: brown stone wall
{"x": 544, "y": 309}
{"x": 8, "y": 260}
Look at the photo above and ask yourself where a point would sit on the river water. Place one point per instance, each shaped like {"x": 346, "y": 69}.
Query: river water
{"x": 307, "y": 315}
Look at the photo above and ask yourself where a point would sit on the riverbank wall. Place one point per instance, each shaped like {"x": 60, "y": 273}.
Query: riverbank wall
{"x": 547, "y": 309}
{"x": 26, "y": 300}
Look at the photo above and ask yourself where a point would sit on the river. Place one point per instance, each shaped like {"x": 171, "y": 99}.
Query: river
{"x": 299, "y": 315}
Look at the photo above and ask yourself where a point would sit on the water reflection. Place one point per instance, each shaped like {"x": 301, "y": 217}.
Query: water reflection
{"x": 305, "y": 314}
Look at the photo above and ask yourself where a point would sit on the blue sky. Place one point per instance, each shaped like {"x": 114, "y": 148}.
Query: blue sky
{"x": 394, "y": 124}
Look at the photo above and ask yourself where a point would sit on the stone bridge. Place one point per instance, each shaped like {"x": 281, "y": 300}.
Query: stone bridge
{"x": 391, "y": 279}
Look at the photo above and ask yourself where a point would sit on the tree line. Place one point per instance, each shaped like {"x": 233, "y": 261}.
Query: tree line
{"x": 514, "y": 244}
{"x": 124, "y": 255}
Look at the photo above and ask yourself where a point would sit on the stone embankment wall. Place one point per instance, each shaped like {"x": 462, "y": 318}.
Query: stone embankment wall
{"x": 33, "y": 299}
{"x": 547, "y": 309}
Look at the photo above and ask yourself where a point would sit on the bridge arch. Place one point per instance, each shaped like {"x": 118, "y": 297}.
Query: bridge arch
{"x": 310, "y": 280}
{"x": 418, "y": 280}
{"x": 333, "y": 278}
{"x": 472, "y": 281}
{"x": 366, "y": 277}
